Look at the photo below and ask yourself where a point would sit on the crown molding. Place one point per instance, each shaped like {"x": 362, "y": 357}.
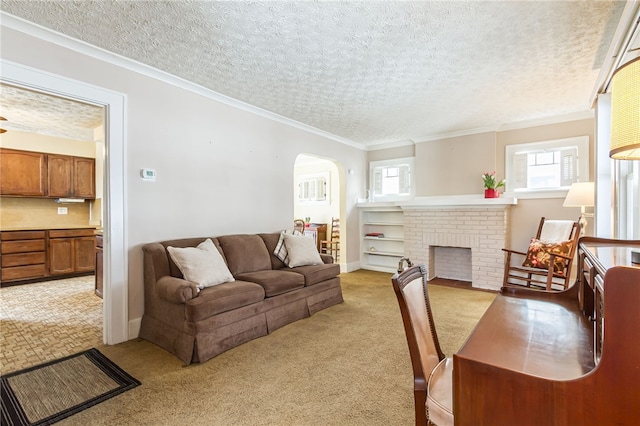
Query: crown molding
{"x": 34, "y": 30}
{"x": 574, "y": 116}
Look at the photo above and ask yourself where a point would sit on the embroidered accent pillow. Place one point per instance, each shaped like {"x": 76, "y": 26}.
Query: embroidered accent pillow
{"x": 539, "y": 255}
{"x": 202, "y": 265}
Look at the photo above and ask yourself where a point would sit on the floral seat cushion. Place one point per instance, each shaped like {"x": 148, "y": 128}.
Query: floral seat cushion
{"x": 539, "y": 255}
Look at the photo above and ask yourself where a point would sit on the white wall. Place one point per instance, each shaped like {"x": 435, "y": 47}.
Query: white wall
{"x": 220, "y": 169}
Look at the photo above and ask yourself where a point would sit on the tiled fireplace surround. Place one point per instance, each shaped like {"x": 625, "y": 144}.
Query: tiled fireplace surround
{"x": 483, "y": 229}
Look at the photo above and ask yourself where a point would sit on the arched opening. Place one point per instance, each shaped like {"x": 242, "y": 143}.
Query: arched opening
{"x": 318, "y": 197}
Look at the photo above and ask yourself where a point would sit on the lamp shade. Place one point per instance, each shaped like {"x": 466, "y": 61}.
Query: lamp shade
{"x": 625, "y": 112}
{"x": 581, "y": 194}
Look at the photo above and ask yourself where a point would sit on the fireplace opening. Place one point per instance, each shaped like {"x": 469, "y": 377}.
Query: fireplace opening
{"x": 452, "y": 263}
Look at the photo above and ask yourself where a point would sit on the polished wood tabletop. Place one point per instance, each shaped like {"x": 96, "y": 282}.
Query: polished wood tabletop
{"x": 539, "y": 358}
{"x": 545, "y": 337}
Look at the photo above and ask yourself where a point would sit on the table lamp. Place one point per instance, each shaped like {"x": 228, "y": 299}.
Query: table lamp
{"x": 581, "y": 194}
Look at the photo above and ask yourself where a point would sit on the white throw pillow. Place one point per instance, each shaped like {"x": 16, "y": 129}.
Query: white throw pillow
{"x": 302, "y": 250}
{"x": 202, "y": 265}
{"x": 281, "y": 250}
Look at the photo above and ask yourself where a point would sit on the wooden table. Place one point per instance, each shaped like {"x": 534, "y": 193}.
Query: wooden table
{"x": 536, "y": 358}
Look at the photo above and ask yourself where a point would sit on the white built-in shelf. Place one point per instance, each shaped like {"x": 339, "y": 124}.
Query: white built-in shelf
{"x": 384, "y": 239}
{"x": 388, "y": 220}
{"x": 383, "y": 253}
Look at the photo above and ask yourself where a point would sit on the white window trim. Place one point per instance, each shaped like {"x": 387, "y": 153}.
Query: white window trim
{"x": 582, "y": 142}
{"x": 322, "y": 176}
{"x": 394, "y": 162}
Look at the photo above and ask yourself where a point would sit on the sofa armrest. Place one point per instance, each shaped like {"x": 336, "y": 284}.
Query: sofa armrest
{"x": 176, "y": 290}
{"x": 326, "y": 258}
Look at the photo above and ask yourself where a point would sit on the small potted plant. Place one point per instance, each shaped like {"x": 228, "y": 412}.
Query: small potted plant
{"x": 491, "y": 185}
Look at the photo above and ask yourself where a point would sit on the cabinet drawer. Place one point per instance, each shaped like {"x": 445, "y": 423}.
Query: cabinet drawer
{"x": 23, "y": 259}
{"x": 22, "y": 235}
{"x": 69, "y": 233}
{"x": 23, "y": 272}
{"x": 22, "y": 246}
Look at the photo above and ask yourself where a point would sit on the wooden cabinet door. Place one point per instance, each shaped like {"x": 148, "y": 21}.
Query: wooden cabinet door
{"x": 84, "y": 249}
{"x": 23, "y": 173}
{"x": 61, "y": 256}
{"x": 60, "y": 175}
{"x": 84, "y": 177}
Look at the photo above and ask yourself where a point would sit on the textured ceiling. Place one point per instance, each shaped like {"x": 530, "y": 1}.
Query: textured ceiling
{"x": 35, "y": 112}
{"x": 370, "y": 72}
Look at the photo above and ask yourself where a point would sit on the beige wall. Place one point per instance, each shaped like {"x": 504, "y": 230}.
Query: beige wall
{"x": 220, "y": 169}
{"x": 224, "y": 170}
{"x": 40, "y": 143}
{"x": 453, "y": 166}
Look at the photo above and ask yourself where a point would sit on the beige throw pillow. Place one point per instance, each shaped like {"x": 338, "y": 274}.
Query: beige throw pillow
{"x": 281, "y": 250}
{"x": 202, "y": 265}
{"x": 301, "y": 250}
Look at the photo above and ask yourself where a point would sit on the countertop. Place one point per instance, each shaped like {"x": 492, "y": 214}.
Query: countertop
{"x": 40, "y": 228}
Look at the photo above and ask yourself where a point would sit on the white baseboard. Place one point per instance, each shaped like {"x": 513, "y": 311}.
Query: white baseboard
{"x": 134, "y": 328}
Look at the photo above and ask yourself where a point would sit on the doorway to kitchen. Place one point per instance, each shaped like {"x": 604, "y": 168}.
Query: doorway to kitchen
{"x": 115, "y": 291}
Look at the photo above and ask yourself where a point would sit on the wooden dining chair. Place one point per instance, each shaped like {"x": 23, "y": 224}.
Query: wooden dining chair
{"x": 298, "y": 225}
{"x": 432, "y": 371}
{"x": 546, "y": 265}
{"x": 332, "y": 245}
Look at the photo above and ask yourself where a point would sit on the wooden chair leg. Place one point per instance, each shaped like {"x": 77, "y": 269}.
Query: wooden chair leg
{"x": 420, "y": 396}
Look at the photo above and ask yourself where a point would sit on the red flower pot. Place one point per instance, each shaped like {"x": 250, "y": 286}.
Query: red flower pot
{"x": 491, "y": 193}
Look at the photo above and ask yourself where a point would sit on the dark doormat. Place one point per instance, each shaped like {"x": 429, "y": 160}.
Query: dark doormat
{"x": 50, "y": 392}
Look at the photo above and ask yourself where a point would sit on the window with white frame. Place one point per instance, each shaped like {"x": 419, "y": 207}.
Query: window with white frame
{"x": 538, "y": 167}
{"x": 313, "y": 188}
{"x": 391, "y": 179}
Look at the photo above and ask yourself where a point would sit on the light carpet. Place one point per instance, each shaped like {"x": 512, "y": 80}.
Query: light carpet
{"x": 346, "y": 365}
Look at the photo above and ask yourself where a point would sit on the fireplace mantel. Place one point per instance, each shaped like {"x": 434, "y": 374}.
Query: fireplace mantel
{"x": 453, "y": 201}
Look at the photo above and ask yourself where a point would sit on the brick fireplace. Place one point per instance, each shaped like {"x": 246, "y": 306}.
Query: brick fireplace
{"x": 461, "y": 238}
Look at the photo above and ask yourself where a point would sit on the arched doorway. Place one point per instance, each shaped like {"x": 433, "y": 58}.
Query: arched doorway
{"x": 318, "y": 194}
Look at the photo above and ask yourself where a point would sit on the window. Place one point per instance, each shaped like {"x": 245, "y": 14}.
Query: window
{"x": 313, "y": 189}
{"x": 391, "y": 179}
{"x": 535, "y": 169}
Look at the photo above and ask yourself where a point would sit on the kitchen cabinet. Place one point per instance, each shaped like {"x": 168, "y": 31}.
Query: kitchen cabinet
{"x": 24, "y": 173}
{"x": 99, "y": 266}
{"x": 43, "y": 254}
{"x": 71, "y": 251}
{"x": 37, "y": 174}
{"x": 23, "y": 255}
{"x": 71, "y": 176}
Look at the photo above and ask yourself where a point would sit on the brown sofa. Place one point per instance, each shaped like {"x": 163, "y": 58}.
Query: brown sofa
{"x": 196, "y": 325}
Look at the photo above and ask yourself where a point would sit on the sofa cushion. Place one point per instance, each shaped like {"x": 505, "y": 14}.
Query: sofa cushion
{"x": 301, "y": 250}
{"x": 271, "y": 241}
{"x": 314, "y": 274}
{"x": 222, "y": 298}
{"x": 202, "y": 265}
{"x": 245, "y": 253}
{"x": 274, "y": 282}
